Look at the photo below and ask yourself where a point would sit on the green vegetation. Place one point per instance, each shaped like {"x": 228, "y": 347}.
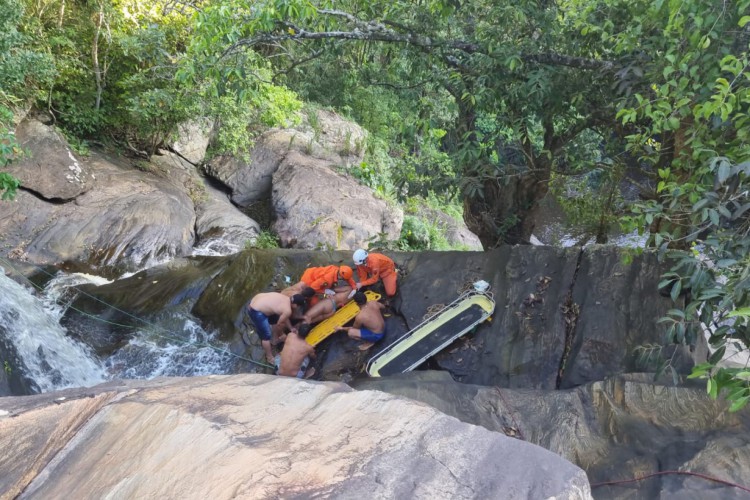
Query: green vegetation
{"x": 266, "y": 239}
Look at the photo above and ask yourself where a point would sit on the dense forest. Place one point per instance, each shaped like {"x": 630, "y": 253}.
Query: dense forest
{"x": 487, "y": 107}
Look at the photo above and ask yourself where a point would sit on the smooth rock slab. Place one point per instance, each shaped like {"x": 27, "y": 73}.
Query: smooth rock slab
{"x": 256, "y": 436}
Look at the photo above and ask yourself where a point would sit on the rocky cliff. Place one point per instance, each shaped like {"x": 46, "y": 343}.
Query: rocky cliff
{"x": 256, "y": 436}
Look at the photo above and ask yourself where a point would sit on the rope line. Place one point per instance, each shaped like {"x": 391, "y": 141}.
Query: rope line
{"x": 175, "y": 338}
{"x": 676, "y": 472}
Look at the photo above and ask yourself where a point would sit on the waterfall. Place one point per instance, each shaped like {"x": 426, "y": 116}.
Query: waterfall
{"x": 44, "y": 351}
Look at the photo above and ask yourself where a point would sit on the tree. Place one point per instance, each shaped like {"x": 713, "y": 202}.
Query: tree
{"x": 519, "y": 100}
{"x": 688, "y": 118}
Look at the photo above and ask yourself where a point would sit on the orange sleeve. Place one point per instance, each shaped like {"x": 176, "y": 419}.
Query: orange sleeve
{"x": 362, "y": 272}
{"x": 372, "y": 279}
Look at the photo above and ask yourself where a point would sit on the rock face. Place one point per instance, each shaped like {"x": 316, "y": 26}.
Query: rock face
{"x": 457, "y": 234}
{"x": 250, "y": 181}
{"x": 316, "y": 207}
{"x": 129, "y": 219}
{"x": 563, "y": 317}
{"x": 258, "y": 436}
{"x": 616, "y": 430}
{"x": 220, "y": 221}
{"x": 52, "y": 170}
{"x": 333, "y": 141}
{"x": 192, "y": 139}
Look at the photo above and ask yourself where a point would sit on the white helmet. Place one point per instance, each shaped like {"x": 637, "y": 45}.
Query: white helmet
{"x": 360, "y": 256}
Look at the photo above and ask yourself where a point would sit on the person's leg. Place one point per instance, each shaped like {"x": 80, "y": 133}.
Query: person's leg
{"x": 369, "y": 338}
{"x": 303, "y": 367}
{"x": 277, "y": 364}
{"x": 263, "y": 329}
{"x": 390, "y": 284}
{"x": 319, "y": 311}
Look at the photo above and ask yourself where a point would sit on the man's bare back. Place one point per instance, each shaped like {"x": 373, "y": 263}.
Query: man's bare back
{"x": 369, "y": 324}
{"x": 371, "y": 317}
{"x": 296, "y": 349}
{"x": 272, "y": 303}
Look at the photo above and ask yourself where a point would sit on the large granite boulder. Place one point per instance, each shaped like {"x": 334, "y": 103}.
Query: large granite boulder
{"x": 220, "y": 226}
{"x": 258, "y": 436}
{"x": 192, "y": 139}
{"x": 617, "y": 430}
{"x": 317, "y": 207}
{"x": 129, "y": 220}
{"x": 328, "y": 138}
{"x": 250, "y": 181}
{"x": 456, "y": 232}
{"x": 50, "y": 169}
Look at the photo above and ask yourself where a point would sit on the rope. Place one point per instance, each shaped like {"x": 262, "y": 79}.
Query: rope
{"x": 175, "y": 338}
{"x": 632, "y": 480}
{"x": 433, "y": 310}
{"x": 678, "y": 472}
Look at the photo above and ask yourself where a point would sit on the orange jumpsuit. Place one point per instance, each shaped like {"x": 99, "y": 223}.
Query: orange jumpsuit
{"x": 377, "y": 267}
{"x": 320, "y": 278}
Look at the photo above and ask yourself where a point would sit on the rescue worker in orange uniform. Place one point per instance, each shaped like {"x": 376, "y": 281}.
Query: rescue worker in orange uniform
{"x": 373, "y": 267}
{"x": 325, "y": 278}
{"x": 324, "y": 281}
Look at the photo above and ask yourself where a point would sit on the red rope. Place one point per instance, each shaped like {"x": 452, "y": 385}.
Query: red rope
{"x": 635, "y": 479}
{"x": 679, "y": 472}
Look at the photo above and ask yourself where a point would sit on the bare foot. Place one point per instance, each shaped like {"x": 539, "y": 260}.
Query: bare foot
{"x": 271, "y": 361}
{"x": 310, "y": 372}
{"x": 365, "y": 345}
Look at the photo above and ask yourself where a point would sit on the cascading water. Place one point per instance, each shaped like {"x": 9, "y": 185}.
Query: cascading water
{"x": 49, "y": 358}
{"x": 170, "y": 344}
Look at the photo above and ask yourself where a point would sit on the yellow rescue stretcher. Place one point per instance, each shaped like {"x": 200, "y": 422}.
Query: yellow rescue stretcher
{"x": 433, "y": 334}
{"x": 342, "y": 316}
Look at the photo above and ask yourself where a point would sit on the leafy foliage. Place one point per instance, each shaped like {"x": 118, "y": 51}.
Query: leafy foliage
{"x": 690, "y": 123}
{"x": 266, "y": 239}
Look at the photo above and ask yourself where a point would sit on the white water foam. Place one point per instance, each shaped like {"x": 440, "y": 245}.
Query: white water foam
{"x": 186, "y": 351}
{"x": 216, "y": 247}
{"x": 50, "y": 358}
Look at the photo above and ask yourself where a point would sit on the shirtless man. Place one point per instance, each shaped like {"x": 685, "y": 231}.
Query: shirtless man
{"x": 298, "y": 312}
{"x": 327, "y": 306}
{"x": 272, "y": 307}
{"x": 296, "y": 354}
{"x": 369, "y": 324}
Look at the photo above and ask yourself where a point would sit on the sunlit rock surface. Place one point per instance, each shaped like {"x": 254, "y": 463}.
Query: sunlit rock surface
{"x": 256, "y": 436}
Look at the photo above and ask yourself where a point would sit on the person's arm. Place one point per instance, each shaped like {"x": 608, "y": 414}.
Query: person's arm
{"x": 362, "y": 272}
{"x": 285, "y": 319}
{"x": 372, "y": 279}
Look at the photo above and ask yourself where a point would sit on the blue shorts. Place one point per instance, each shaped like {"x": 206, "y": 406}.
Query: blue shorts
{"x": 369, "y": 336}
{"x": 302, "y": 368}
{"x": 261, "y": 322}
